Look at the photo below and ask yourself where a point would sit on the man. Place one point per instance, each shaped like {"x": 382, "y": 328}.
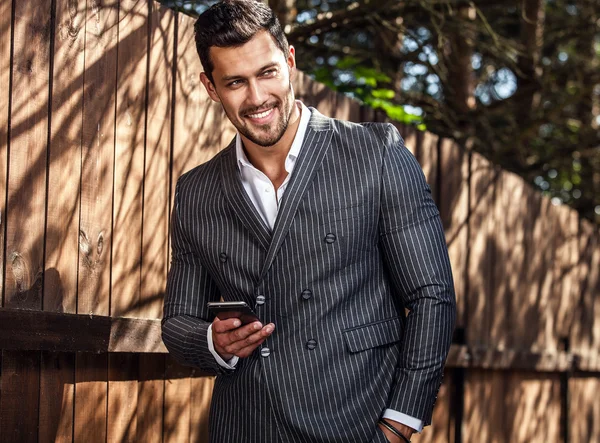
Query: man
{"x": 328, "y": 230}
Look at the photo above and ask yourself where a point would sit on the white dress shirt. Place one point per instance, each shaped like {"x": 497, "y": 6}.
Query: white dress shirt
{"x": 266, "y": 200}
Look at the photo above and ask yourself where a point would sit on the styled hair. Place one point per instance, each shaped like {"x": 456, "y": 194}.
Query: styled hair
{"x": 232, "y": 23}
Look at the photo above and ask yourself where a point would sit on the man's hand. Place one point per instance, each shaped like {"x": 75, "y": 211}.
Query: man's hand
{"x": 403, "y": 429}
{"x": 231, "y": 338}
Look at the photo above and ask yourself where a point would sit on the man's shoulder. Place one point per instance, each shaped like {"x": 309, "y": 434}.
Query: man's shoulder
{"x": 380, "y": 130}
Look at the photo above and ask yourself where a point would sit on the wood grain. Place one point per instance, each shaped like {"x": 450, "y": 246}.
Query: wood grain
{"x": 57, "y": 395}
{"x": 35, "y": 330}
{"x": 454, "y": 212}
{"x": 64, "y": 171}
{"x": 201, "y": 396}
{"x": 95, "y": 234}
{"x": 584, "y": 414}
{"x": 480, "y": 296}
{"x": 151, "y": 390}
{"x": 178, "y": 403}
{"x": 91, "y": 383}
{"x": 28, "y": 149}
{"x": 129, "y": 157}
{"x": 5, "y": 70}
{"x": 19, "y": 404}
{"x": 511, "y": 407}
{"x": 197, "y": 119}
{"x": 155, "y": 252}
{"x": 122, "y": 397}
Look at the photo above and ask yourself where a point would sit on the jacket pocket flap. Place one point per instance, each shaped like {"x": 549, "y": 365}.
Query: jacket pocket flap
{"x": 371, "y": 335}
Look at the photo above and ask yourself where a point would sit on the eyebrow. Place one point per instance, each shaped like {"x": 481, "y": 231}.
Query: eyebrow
{"x": 227, "y": 78}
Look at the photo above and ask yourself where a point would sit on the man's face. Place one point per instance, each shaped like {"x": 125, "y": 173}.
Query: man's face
{"x": 253, "y": 84}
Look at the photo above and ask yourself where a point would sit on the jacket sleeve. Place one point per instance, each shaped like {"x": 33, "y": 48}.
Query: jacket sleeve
{"x": 189, "y": 287}
{"x": 416, "y": 258}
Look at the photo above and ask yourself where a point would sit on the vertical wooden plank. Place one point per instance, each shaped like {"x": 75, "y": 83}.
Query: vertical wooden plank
{"x": 584, "y": 414}
{"x": 64, "y": 172}
{"x": 562, "y": 308}
{"x": 57, "y": 375}
{"x": 129, "y": 157}
{"x": 585, "y": 333}
{"x": 151, "y": 389}
{"x": 409, "y": 134}
{"x": 122, "y": 397}
{"x": 454, "y": 212}
{"x": 201, "y": 396}
{"x": 481, "y": 251}
{"x": 155, "y": 244}
{"x": 57, "y": 389}
{"x": 347, "y": 108}
{"x": 5, "y": 70}
{"x": 315, "y": 94}
{"x": 178, "y": 401}
{"x": 29, "y": 133}
{"x": 427, "y": 156}
{"x": 506, "y": 407}
{"x": 530, "y": 285}
{"x": 91, "y": 377}
{"x": 19, "y": 404}
{"x": 196, "y": 115}
{"x": 20, "y": 396}
{"x": 97, "y": 157}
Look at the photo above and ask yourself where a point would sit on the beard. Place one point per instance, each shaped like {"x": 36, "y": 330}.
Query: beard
{"x": 269, "y": 134}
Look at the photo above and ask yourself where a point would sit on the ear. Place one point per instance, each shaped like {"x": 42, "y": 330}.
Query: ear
{"x": 210, "y": 88}
{"x": 291, "y": 61}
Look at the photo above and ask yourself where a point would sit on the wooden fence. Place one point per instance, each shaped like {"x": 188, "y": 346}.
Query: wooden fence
{"x": 101, "y": 109}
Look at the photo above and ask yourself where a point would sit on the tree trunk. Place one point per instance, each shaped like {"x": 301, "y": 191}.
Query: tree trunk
{"x": 532, "y": 39}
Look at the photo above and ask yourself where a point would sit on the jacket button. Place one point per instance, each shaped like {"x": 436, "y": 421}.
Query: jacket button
{"x": 306, "y": 294}
{"x": 223, "y": 257}
{"x": 330, "y": 238}
{"x": 260, "y": 300}
{"x": 311, "y": 344}
{"x": 265, "y": 352}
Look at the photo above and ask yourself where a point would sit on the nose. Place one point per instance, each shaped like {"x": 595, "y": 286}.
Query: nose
{"x": 256, "y": 95}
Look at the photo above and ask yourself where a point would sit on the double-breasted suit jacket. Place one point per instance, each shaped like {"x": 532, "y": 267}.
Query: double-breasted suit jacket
{"x": 356, "y": 241}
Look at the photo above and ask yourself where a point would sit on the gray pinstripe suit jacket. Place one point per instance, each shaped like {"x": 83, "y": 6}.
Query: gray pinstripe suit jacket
{"x": 357, "y": 239}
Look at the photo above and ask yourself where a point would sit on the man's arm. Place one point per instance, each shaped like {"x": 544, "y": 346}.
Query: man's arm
{"x": 415, "y": 255}
{"x": 189, "y": 286}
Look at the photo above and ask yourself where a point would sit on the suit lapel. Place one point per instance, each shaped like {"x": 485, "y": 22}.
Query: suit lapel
{"x": 314, "y": 147}
{"x": 239, "y": 201}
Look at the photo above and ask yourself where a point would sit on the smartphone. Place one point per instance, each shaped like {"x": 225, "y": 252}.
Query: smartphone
{"x": 233, "y": 309}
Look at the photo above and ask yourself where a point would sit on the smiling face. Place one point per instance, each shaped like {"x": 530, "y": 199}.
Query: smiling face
{"x": 253, "y": 84}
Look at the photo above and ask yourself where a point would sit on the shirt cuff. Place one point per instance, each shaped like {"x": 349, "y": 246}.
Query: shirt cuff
{"x": 230, "y": 364}
{"x": 406, "y": 420}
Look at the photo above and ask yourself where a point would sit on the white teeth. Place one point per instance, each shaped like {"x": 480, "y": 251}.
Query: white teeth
{"x": 261, "y": 115}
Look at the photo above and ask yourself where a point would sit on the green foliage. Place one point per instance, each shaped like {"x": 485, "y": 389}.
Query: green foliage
{"x": 366, "y": 84}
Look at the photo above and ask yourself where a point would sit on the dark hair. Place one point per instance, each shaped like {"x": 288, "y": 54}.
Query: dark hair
{"x": 232, "y": 23}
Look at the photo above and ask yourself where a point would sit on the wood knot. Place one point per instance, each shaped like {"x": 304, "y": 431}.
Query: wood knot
{"x": 19, "y": 270}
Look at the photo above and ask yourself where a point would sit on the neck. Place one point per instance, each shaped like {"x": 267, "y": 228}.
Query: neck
{"x": 271, "y": 159}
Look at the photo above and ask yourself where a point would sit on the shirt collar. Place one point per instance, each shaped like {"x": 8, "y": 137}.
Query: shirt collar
{"x": 242, "y": 160}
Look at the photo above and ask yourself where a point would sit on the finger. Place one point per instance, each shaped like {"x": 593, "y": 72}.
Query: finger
{"x": 250, "y": 342}
{"x": 244, "y": 331}
{"x": 229, "y": 338}
{"x": 248, "y": 350}
{"x": 220, "y": 326}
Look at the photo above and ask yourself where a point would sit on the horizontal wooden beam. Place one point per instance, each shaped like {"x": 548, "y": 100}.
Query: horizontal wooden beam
{"x": 464, "y": 356}
{"x": 50, "y": 331}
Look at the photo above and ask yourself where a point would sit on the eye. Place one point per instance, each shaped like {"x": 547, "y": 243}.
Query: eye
{"x": 234, "y": 83}
{"x": 269, "y": 72}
